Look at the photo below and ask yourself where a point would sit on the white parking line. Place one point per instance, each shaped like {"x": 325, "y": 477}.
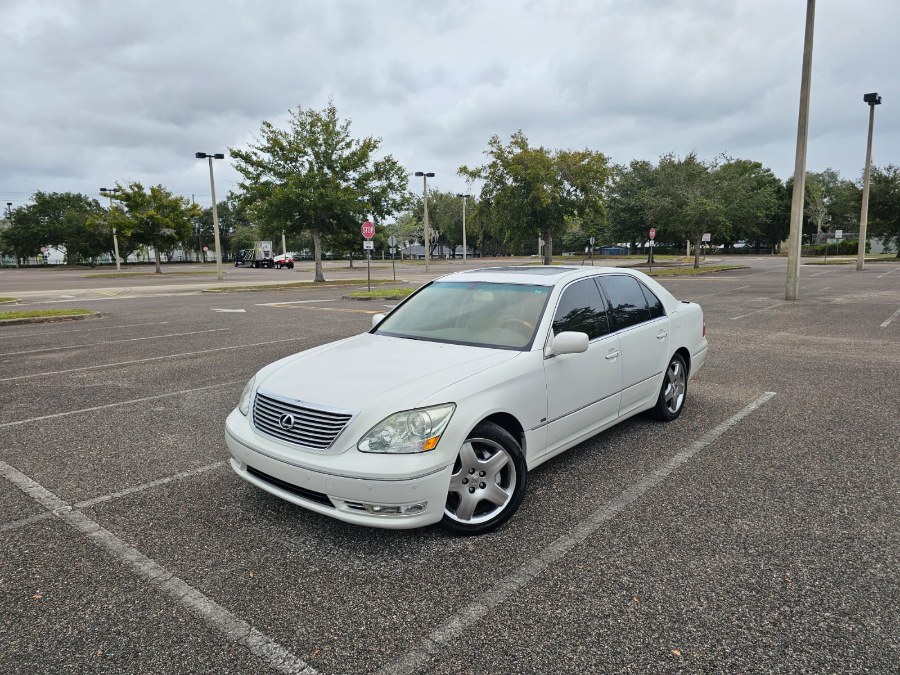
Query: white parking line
{"x": 109, "y": 342}
{"x": 117, "y": 404}
{"x": 190, "y": 598}
{"x": 460, "y": 623}
{"x": 742, "y": 316}
{"x": 818, "y": 274}
{"x": 291, "y": 302}
{"x": 726, "y": 290}
{"x": 888, "y": 272}
{"x": 80, "y": 330}
{"x": 890, "y": 318}
{"x": 44, "y": 515}
{"x": 147, "y": 360}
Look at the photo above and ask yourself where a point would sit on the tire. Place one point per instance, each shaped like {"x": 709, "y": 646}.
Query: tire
{"x": 278, "y": 266}
{"x": 290, "y": 265}
{"x": 487, "y": 483}
{"x": 673, "y": 392}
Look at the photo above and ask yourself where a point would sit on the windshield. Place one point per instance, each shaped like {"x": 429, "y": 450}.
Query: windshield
{"x": 475, "y": 313}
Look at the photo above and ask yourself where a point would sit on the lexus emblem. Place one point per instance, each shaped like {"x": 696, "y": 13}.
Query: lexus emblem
{"x": 286, "y": 422}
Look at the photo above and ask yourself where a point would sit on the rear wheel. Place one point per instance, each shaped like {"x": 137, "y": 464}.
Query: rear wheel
{"x": 488, "y": 481}
{"x": 673, "y": 392}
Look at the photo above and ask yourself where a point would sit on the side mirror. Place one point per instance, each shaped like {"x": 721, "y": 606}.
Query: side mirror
{"x": 569, "y": 342}
{"x": 376, "y": 319}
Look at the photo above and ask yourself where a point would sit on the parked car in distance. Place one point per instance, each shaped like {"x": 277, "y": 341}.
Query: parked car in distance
{"x": 439, "y": 411}
{"x": 284, "y": 260}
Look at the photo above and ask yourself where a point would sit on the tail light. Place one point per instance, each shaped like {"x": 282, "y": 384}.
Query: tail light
{"x": 704, "y": 328}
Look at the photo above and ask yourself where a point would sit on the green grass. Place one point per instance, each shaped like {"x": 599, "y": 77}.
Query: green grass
{"x": 6, "y": 301}
{"x": 297, "y": 285}
{"x": 692, "y": 272}
{"x": 382, "y": 293}
{"x": 36, "y": 313}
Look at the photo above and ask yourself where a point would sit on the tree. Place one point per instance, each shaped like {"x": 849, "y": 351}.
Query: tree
{"x": 154, "y": 217}
{"x": 750, "y": 193}
{"x": 71, "y": 221}
{"x": 313, "y": 175}
{"x": 630, "y": 198}
{"x": 532, "y": 191}
{"x": 884, "y": 205}
{"x": 687, "y": 200}
{"x": 232, "y": 217}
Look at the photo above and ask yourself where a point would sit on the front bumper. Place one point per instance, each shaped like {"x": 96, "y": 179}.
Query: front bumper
{"x": 340, "y": 496}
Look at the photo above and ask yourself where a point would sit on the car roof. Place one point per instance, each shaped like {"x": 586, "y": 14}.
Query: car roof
{"x": 537, "y": 275}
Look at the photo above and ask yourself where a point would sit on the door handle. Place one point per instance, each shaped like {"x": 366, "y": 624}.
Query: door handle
{"x": 662, "y": 335}
{"x": 612, "y": 355}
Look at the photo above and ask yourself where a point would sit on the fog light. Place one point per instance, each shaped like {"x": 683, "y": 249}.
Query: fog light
{"x": 395, "y": 510}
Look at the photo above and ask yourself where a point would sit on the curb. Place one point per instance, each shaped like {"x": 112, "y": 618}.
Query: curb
{"x": 49, "y": 319}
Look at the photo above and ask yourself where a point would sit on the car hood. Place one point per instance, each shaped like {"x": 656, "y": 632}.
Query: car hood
{"x": 368, "y": 369}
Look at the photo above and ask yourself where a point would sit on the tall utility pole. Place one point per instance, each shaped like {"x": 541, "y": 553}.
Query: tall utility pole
{"x": 465, "y": 198}
{"x": 109, "y": 192}
{"x": 425, "y": 176}
{"x": 212, "y": 189}
{"x": 792, "y": 287}
{"x": 872, "y": 99}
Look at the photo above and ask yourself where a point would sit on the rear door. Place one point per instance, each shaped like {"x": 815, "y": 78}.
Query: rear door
{"x": 582, "y": 389}
{"x": 641, "y": 324}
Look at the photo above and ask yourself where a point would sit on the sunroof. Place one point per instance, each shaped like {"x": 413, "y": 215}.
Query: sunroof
{"x": 539, "y": 271}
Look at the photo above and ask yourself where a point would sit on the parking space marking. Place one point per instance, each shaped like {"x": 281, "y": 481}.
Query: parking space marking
{"x": 190, "y": 598}
{"x": 24, "y": 522}
{"x": 818, "y": 274}
{"x": 890, "y": 318}
{"x": 292, "y": 302}
{"x": 81, "y": 330}
{"x": 332, "y": 309}
{"x": 459, "y": 623}
{"x": 725, "y": 290}
{"x": 109, "y": 342}
{"x": 756, "y": 311}
{"x": 888, "y": 272}
{"x": 147, "y": 360}
{"x": 105, "y": 406}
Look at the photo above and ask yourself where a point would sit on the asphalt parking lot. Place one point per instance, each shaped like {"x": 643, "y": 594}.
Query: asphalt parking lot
{"x": 759, "y": 532}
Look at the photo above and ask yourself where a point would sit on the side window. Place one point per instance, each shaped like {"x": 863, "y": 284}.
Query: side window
{"x": 655, "y": 304}
{"x": 581, "y": 308}
{"x": 628, "y": 305}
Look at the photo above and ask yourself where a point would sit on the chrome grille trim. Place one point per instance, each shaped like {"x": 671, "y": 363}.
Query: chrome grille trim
{"x": 315, "y": 426}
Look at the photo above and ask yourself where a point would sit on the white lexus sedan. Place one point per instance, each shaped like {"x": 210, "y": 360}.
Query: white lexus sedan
{"x": 440, "y": 410}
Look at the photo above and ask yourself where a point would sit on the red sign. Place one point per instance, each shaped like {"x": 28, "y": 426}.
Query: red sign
{"x": 653, "y": 233}
{"x": 44, "y": 249}
{"x": 368, "y": 230}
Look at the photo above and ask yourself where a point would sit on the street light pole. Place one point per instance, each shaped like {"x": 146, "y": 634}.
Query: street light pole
{"x": 425, "y": 176}
{"x": 792, "y": 285}
{"x": 465, "y": 199}
{"x": 212, "y": 189}
{"x": 872, "y": 99}
{"x": 109, "y": 192}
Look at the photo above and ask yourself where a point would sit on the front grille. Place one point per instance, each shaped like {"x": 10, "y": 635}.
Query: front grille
{"x": 313, "y": 427}
{"x": 311, "y": 495}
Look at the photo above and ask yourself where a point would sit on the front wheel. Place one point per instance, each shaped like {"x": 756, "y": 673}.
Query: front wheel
{"x": 673, "y": 391}
{"x": 488, "y": 481}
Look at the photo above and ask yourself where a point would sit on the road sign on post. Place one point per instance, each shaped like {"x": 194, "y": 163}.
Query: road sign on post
{"x": 652, "y": 233}
{"x": 706, "y": 237}
{"x": 368, "y": 229}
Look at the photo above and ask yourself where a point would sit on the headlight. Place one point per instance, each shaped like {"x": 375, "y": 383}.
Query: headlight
{"x": 246, "y": 395}
{"x": 408, "y": 431}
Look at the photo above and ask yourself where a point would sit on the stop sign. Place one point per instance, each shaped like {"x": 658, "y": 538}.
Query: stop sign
{"x": 653, "y": 233}
{"x": 368, "y": 229}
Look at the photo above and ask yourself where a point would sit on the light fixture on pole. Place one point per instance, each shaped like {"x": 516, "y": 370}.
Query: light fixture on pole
{"x": 9, "y": 210}
{"x": 109, "y": 192}
{"x": 212, "y": 189}
{"x": 465, "y": 198}
{"x": 425, "y": 176}
{"x": 872, "y": 99}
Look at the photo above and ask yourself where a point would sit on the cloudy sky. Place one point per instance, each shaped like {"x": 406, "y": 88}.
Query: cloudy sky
{"x": 95, "y": 92}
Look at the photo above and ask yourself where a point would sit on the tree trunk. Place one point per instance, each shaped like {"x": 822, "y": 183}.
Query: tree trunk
{"x": 697, "y": 253}
{"x": 317, "y": 254}
{"x": 548, "y": 246}
{"x": 156, "y": 255}
{"x": 351, "y": 260}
